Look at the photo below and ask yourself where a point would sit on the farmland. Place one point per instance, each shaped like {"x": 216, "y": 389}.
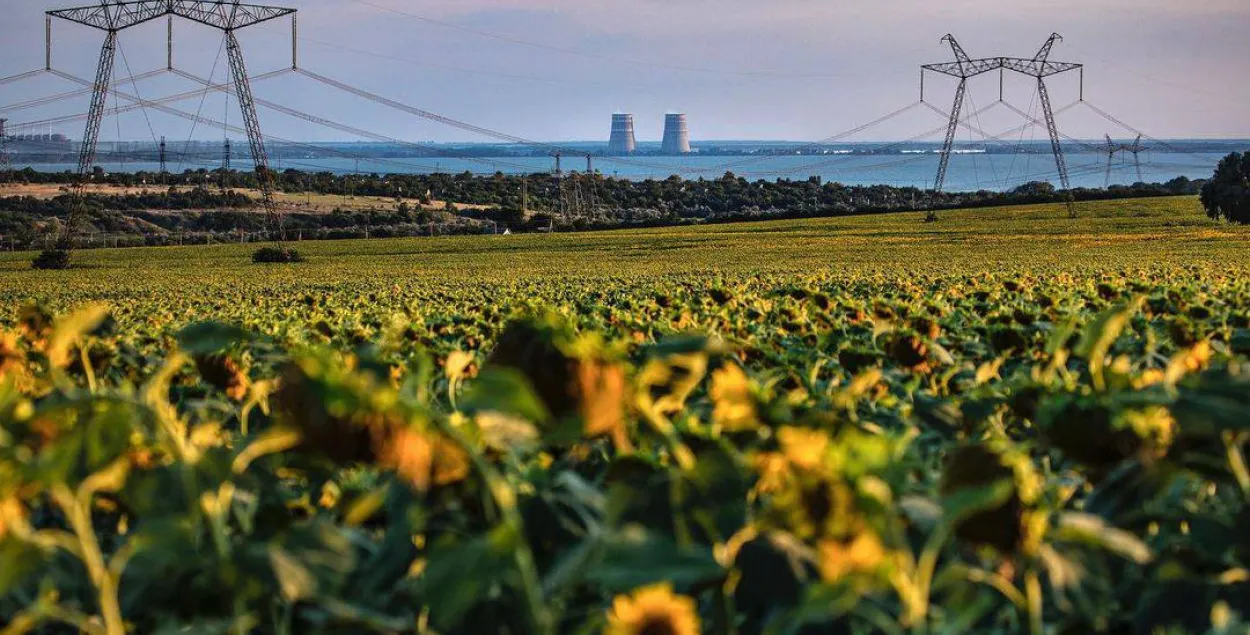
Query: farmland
{"x": 1006, "y": 421}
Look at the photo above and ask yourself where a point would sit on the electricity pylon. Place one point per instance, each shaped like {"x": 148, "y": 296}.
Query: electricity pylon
{"x": 226, "y": 16}
{"x": 5, "y": 165}
{"x": 964, "y": 68}
{"x": 1135, "y": 149}
{"x": 1111, "y": 148}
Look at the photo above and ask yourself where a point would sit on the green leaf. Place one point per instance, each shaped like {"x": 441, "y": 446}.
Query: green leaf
{"x": 633, "y": 558}
{"x": 206, "y": 338}
{"x": 1100, "y": 334}
{"x": 457, "y": 577}
{"x": 72, "y": 327}
{"x": 1094, "y": 531}
{"x": 969, "y": 501}
{"x": 505, "y": 390}
{"x": 294, "y": 580}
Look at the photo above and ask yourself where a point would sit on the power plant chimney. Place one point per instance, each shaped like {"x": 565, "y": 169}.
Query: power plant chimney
{"x": 2, "y": 122}
{"x": 676, "y": 135}
{"x": 622, "y": 141}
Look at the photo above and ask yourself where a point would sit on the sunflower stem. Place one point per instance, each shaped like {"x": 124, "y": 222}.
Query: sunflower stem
{"x": 1033, "y": 591}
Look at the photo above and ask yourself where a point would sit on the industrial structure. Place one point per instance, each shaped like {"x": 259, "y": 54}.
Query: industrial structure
{"x": 622, "y": 140}
{"x": 228, "y": 17}
{"x": 965, "y": 68}
{"x": 676, "y": 135}
{"x": 5, "y": 165}
{"x": 1112, "y": 148}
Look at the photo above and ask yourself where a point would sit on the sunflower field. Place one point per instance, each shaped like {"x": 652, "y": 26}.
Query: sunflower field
{"x": 757, "y": 447}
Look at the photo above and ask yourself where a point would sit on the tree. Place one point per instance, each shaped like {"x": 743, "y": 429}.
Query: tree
{"x": 1227, "y": 195}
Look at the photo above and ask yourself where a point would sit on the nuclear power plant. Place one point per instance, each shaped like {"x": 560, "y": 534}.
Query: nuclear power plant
{"x": 676, "y": 135}
{"x": 622, "y": 140}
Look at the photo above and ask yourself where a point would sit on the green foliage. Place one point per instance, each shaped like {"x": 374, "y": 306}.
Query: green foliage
{"x": 276, "y": 255}
{"x": 1227, "y": 195}
{"x": 798, "y": 427}
{"x": 52, "y": 259}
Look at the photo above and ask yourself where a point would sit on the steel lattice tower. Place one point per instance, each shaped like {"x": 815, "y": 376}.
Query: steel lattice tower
{"x": 226, "y": 16}
{"x": 5, "y": 165}
{"x": 1135, "y": 149}
{"x": 964, "y": 68}
{"x": 1110, "y": 149}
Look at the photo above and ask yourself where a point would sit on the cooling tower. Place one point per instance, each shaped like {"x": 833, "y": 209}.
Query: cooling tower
{"x": 676, "y": 135}
{"x": 622, "y": 141}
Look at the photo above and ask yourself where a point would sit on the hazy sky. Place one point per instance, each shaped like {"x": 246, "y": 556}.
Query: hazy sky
{"x": 741, "y": 69}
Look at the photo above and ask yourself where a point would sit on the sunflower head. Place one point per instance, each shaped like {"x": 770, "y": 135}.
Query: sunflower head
{"x": 35, "y": 323}
{"x": 909, "y": 351}
{"x": 653, "y": 610}
{"x": 12, "y": 513}
{"x": 1099, "y": 436}
{"x": 862, "y": 554}
{"x": 1011, "y": 526}
{"x": 572, "y": 376}
{"x": 12, "y": 358}
{"x": 223, "y": 372}
{"x": 734, "y": 408}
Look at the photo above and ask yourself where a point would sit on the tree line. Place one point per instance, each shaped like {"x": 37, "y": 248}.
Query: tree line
{"x": 209, "y": 204}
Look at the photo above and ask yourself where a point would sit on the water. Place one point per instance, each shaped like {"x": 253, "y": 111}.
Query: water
{"x": 968, "y": 171}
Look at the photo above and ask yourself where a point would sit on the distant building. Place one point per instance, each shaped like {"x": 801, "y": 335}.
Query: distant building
{"x": 622, "y": 140}
{"x": 676, "y": 135}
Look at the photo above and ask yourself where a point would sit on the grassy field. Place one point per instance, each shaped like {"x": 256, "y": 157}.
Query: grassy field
{"x": 1107, "y": 236}
{"x": 1007, "y": 421}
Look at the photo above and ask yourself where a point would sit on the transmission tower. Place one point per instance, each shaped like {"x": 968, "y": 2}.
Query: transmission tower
{"x": 164, "y": 159}
{"x": 225, "y": 164}
{"x": 1111, "y": 149}
{"x": 964, "y": 68}
{"x": 226, "y": 16}
{"x": 1135, "y": 149}
{"x": 5, "y": 165}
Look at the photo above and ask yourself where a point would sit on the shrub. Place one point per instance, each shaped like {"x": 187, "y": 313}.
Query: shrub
{"x": 276, "y": 255}
{"x": 52, "y": 259}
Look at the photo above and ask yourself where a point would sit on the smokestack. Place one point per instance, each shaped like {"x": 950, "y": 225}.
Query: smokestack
{"x": 622, "y": 141}
{"x": 2, "y": 122}
{"x": 676, "y": 135}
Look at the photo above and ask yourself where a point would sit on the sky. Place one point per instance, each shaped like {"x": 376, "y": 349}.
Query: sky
{"x": 556, "y": 70}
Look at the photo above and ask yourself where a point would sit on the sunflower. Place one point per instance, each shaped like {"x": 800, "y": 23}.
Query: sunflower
{"x": 12, "y": 513}
{"x": 804, "y": 449}
{"x": 424, "y": 458}
{"x": 1017, "y": 524}
{"x": 12, "y": 360}
{"x": 862, "y": 554}
{"x": 653, "y": 610}
{"x": 571, "y": 376}
{"x": 731, "y": 392}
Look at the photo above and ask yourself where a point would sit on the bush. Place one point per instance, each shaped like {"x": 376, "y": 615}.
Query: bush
{"x": 52, "y": 259}
{"x": 276, "y": 255}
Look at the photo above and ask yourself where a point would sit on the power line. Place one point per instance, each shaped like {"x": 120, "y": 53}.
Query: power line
{"x": 596, "y": 56}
